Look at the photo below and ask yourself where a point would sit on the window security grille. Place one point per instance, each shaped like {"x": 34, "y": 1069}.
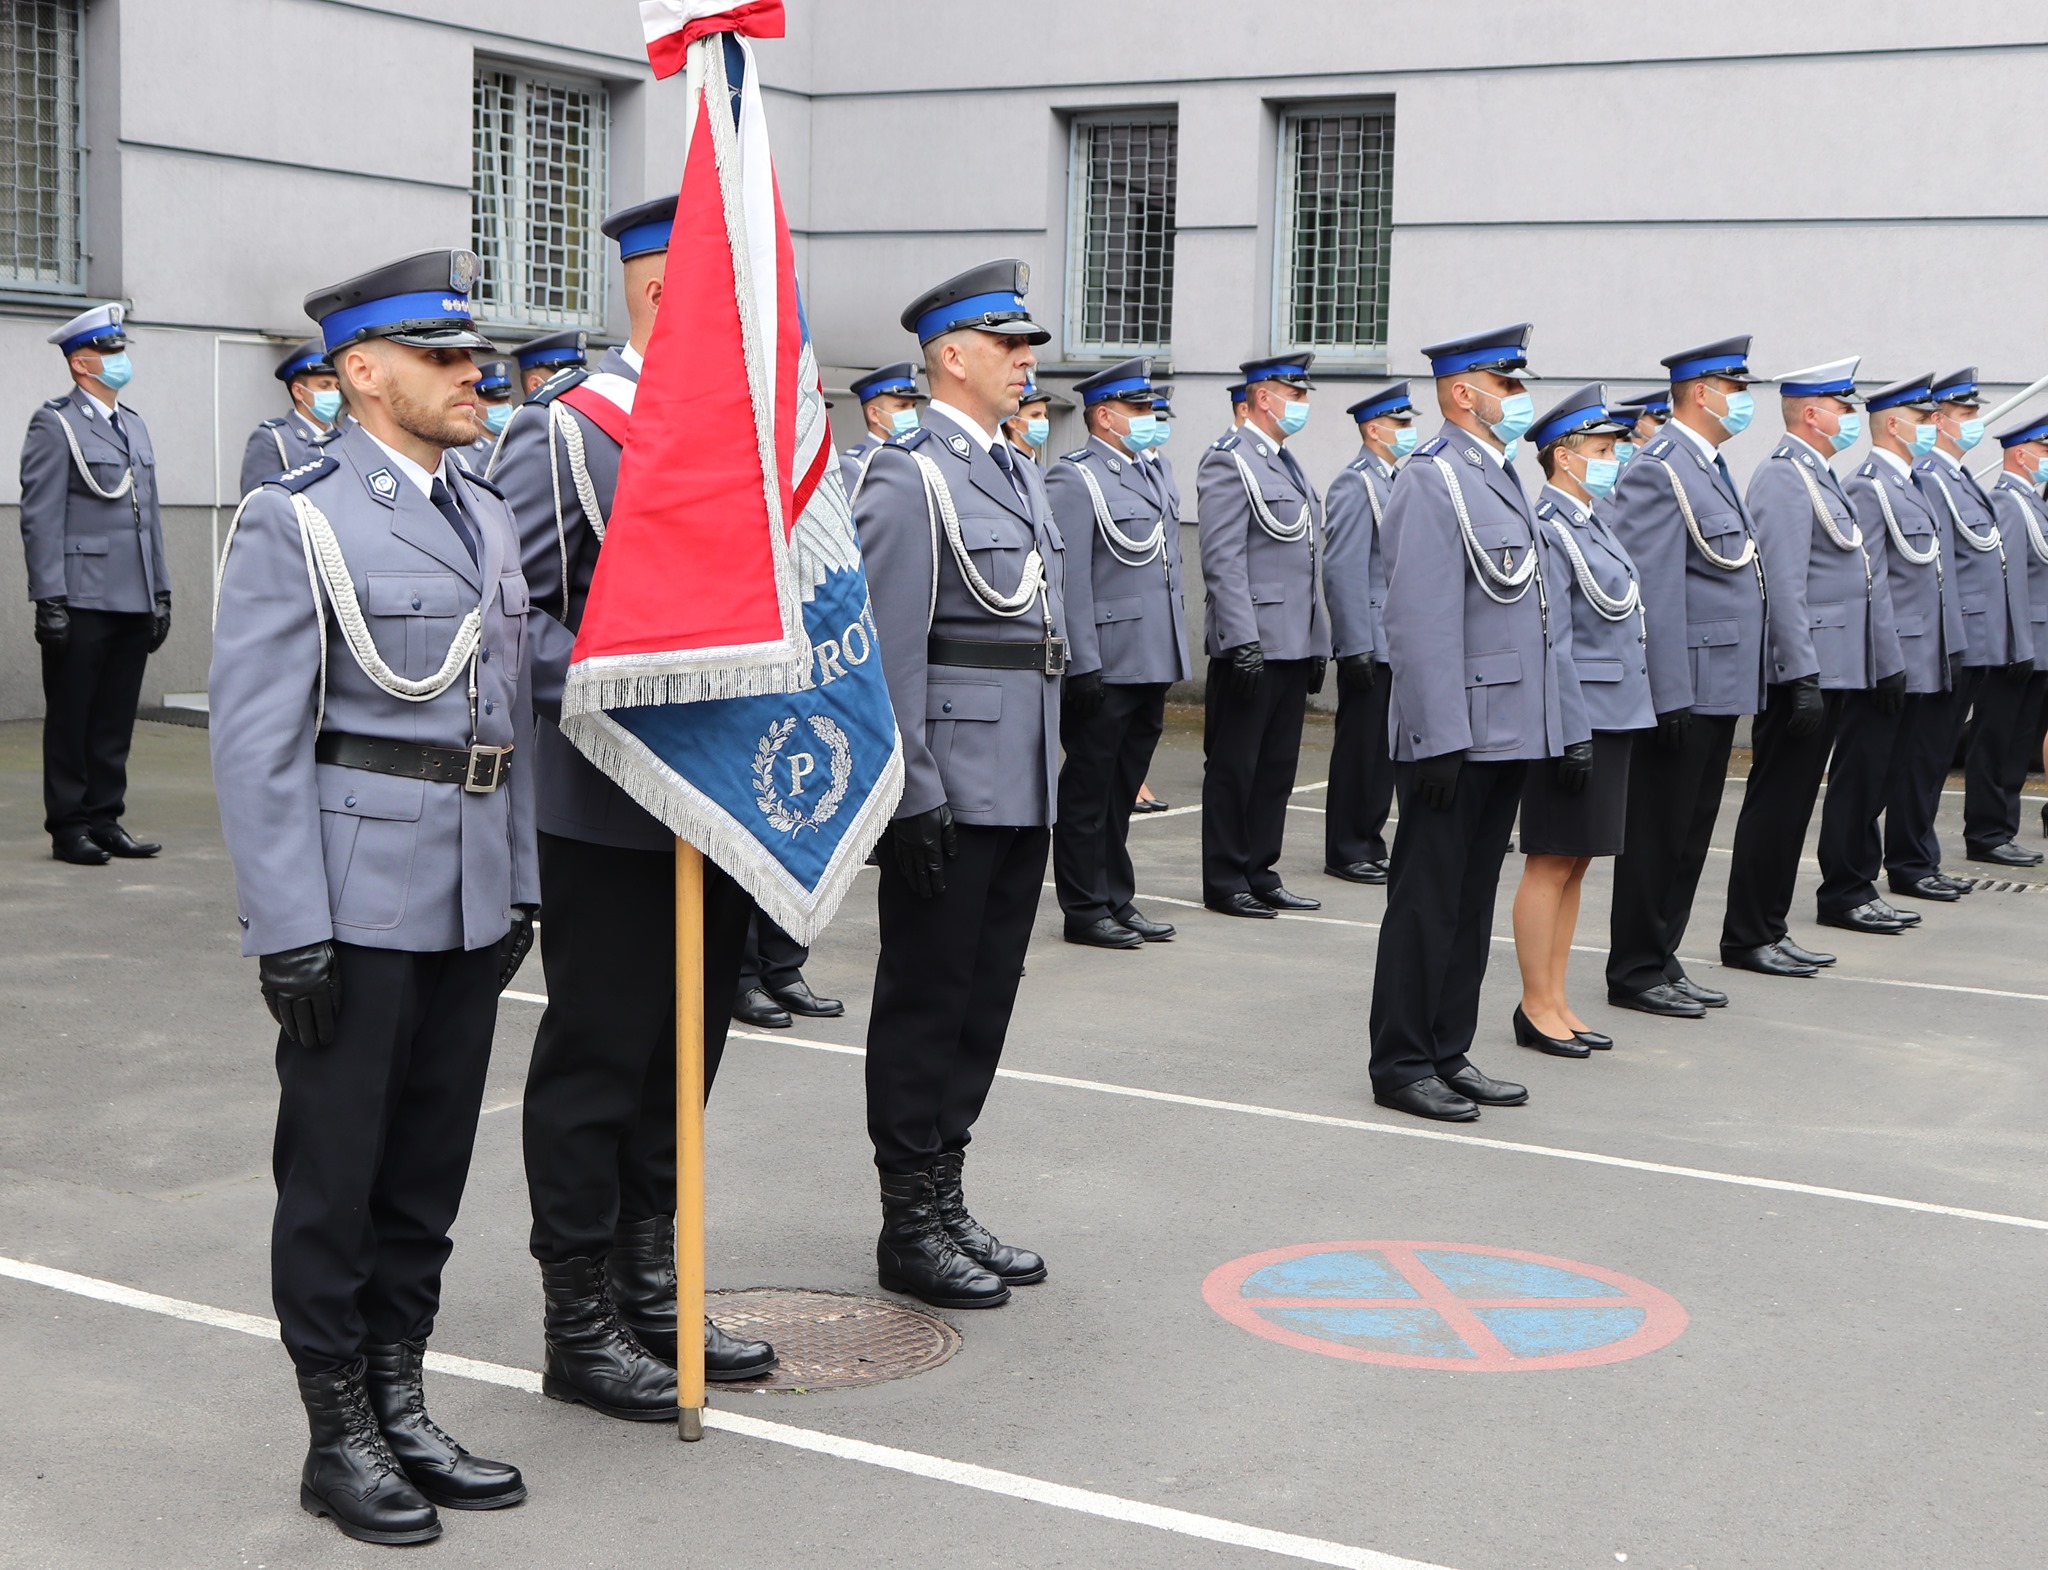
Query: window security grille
{"x": 1336, "y": 198}
{"x": 1121, "y": 272}
{"x": 42, "y": 243}
{"x": 537, "y": 195}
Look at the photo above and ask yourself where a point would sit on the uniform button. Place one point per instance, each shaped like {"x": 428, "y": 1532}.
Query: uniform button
{"x": 415, "y": 602}
{"x": 487, "y": 656}
{"x": 487, "y": 706}
{"x": 348, "y": 801}
{"x": 947, "y": 707}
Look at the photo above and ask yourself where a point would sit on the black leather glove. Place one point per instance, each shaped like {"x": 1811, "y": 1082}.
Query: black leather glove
{"x": 1357, "y": 672}
{"x": 1318, "y": 672}
{"x": 1436, "y": 779}
{"x": 1672, "y": 727}
{"x": 1809, "y": 707}
{"x": 925, "y": 842}
{"x": 516, "y": 944}
{"x": 302, "y": 990}
{"x": 1575, "y": 768}
{"x": 1082, "y": 695}
{"x": 1890, "y": 694}
{"x": 53, "y": 622}
{"x": 160, "y": 628}
{"x": 1955, "y": 671}
{"x": 2020, "y": 670}
{"x": 1242, "y": 668}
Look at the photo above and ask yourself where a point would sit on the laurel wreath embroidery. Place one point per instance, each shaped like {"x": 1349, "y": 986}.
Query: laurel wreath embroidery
{"x": 783, "y": 817}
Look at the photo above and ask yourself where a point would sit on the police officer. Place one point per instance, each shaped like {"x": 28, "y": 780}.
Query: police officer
{"x": 1872, "y": 760}
{"x": 497, "y": 402}
{"x": 888, "y": 402}
{"x": 1266, "y": 634}
{"x": 1479, "y": 638}
{"x": 1154, "y": 454}
{"x": 1678, "y": 515}
{"x": 95, "y": 547}
{"x": 1355, "y": 585}
{"x": 369, "y": 753}
{"x": 1830, "y": 637}
{"x": 965, "y": 569}
{"x": 772, "y": 985}
{"x": 1238, "y": 408}
{"x": 1129, "y": 644}
{"x": 287, "y": 440}
{"x": 2004, "y": 747}
{"x": 546, "y": 357}
{"x": 1991, "y": 591}
{"x": 1653, "y": 413}
{"x": 600, "y": 1102}
{"x": 1030, "y": 428}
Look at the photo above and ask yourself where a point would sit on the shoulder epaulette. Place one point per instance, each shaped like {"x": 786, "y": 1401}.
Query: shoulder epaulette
{"x": 850, "y": 452}
{"x": 274, "y": 423}
{"x": 909, "y": 439}
{"x": 296, "y": 480}
{"x": 1359, "y": 464}
{"x": 1227, "y": 443}
{"x": 1546, "y": 509}
{"x": 551, "y": 389}
{"x": 1432, "y": 447}
{"x": 1077, "y": 454}
{"x": 1659, "y": 448}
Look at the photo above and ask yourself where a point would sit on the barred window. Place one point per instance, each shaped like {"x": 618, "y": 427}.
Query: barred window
{"x": 537, "y": 196}
{"x": 1120, "y": 274}
{"x": 42, "y": 241}
{"x": 1336, "y": 198}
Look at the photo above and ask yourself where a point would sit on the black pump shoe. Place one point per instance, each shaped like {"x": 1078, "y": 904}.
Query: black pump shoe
{"x": 915, "y": 1254}
{"x": 592, "y": 1358}
{"x": 1018, "y": 1267}
{"x": 438, "y": 1467}
{"x": 1527, "y": 1035}
{"x": 350, "y": 1475}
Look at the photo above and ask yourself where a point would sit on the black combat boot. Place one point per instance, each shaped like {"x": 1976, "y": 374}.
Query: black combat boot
{"x": 439, "y": 1467}
{"x": 351, "y": 1476}
{"x": 642, "y": 1266}
{"x": 594, "y": 1359}
{"x": 1017, "y": 1266}
{"x": 915, "y": 1255}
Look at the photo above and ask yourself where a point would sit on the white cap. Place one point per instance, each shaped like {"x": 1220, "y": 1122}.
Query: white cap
{"x": 100, "y": 322}
{"x": 1836, "y": 379}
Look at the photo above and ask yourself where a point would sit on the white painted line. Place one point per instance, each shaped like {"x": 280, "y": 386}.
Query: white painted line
{"x": 963, "y": 1474}
{"x": 1181, "y": 812}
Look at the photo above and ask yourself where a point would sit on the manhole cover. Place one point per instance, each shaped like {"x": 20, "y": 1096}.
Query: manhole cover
{"x": 828, "y": 1341}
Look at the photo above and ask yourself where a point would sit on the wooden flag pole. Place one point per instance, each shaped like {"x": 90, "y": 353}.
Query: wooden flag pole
{"x": 689, "y": 1141}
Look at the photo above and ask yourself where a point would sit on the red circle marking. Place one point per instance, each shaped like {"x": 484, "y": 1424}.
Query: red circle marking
{"x": 1664, "y": 1317}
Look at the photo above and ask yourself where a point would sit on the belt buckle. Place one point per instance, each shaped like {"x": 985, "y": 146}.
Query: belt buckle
{"x": 1055, "y": 656}
{"x": 474, "y": 780}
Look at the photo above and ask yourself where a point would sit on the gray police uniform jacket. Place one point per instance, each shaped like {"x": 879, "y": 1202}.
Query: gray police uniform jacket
{"x": 1988, "y": 580}
{"x": 1831, "y": 599}
{"x": 1494, "y": 681}
{"x": 1900, "y": 527}
{"x": 1706, "y": 622}
{"x": 1610, "y": 656}
{"x": 1354, "y": 567}
{"x": 277, "y": 445}
{"x": 2023, "y": 519}
{"x": 1260, "y": 588}
{"x": 854, "y": 461}
{"x": 1163, "y": 465}
{"x": 576, "y": 799}
{"x": 89, "y": 540}
{"x": 321, "y": 851}
{"x": 986, "y": 742}
{"x": 1124, "y": 600}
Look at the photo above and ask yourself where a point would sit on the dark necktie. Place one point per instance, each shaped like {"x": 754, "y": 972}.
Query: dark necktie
{"x": 444, "y": 502}
{"x": 1006, "y": 460}
{"x": 120, "y": 430}
{"x": 1294, "y": 468}
{"x": 1727, "y": 479}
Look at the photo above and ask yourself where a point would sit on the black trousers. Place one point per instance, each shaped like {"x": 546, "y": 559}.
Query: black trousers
{"x": 945, "y": 983}
{"x": 2002, "y": 750}
{"x": 1106, "y": 760}
{"x": 90, "y": 689}
{"x": 771, "y": 957}
{"x": 600, "y": 1111}
{"x": 1777, "y": 806}
{"x": 1929, "y": 729}
{"x": 1438, "y": 930}
{"x": 1250, "y": 747}
{"x": 1859, "y": 779}
{"x": 1361, "y": 775}
{"x": 1673, "y": 799}
{"x": 374, "y": 1133}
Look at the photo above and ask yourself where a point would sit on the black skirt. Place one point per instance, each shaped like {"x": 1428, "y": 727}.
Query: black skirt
{"x": 1589, "y": 824}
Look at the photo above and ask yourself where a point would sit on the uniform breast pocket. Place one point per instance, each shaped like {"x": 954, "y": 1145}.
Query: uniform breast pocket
{"x": 960, "y": 729}
{"x": 1493, "y": 699}
{"x": 85, "y": 566}
{"x": 369, "y": 831}
{"x": 1723, "y": 533}
{"x": 413, "y": 617}
{"x": 998, "y": 544}
{"x": 1716, "y": 681}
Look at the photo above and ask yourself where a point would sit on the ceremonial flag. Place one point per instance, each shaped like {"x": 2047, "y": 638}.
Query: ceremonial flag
{"x": 726, "y": 673}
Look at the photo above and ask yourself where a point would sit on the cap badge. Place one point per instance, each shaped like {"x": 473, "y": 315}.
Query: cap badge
{"x": 462, "y": 270}
{"x": 383, "y": 482}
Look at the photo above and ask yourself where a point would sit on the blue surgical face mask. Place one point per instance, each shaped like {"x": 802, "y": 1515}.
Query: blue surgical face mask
{"x": 326, "y": 405}
{"x": 1623, "y": 451}
{"x": 1038, "y": 431}
{"x": 2041, "y": 472}
{"x": 1924, "y": 438}
{"x": 1971, "y": 433}
{"x": 1293, "y": 416}
{"x": 117, "y": 370}
{"x": 1601, "y": 473}
{"x": 1405, "y": 441}
{"x": 1740, "y": 411}
{"x": 1517, "y": 414}
{"x": 496, "y": 415}
{"x": 1161, "y": 431}
{"x": 1848, "y": 433}
{"x": 902, "y": 422}
{"x": 1143, "y": 432}
{"x": 1507, "y": 453}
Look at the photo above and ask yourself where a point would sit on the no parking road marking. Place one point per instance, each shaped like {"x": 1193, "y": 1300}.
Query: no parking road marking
{"x": 1460, "y": 1306}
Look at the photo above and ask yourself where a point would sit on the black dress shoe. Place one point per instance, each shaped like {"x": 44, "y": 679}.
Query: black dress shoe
{"x": 1430, "y": 1098}
{"x": 1705, "y": 997}
{"x": 1154, "y": 805}
{"x": 2008, "y": 855}
{"x": 1891, "y": 912}
{"x": 1280, "y": 899}
{"x": 1019, "y": 1267}
{"x": 1527, "y": 1035}
{"x": 1475, "y": 1086}
{"x": 350, "y": 1475}
{"x": 1240, "y": 904}
{"x": 1594, "y": 1039}
{"x": 116, "y": 841}
{"x": 1934, "y": 886}
{"x": 1145, "y": 927}
{"x": 915, "y": 1254}
{"x": 1769, "y": 960}
{"x": 1805, "y": 956}
{"x": 798, "y": 998}
{"x": 1664, "y": 999}
{"x": 754, "y": 1007}
{"x": 78, "y": 849}
{"x": 437, "y": 1466}
{"x": 1864, "y": 918}
{"x": 1103, "y": 933}
{"x": 1960, "y": 885}
{"x": 728, "y": 1357}
{"x": 592, "y": 1358}
{"x": 1359, "y": 871}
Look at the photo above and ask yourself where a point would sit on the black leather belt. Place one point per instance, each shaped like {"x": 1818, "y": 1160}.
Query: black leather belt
{"x": 1050, "y": 657}
{"x": 478, "y": 770}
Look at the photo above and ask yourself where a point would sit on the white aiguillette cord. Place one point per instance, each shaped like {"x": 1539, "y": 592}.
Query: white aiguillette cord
{"x": 1285, "y": 533}
{"x": 1132, "y": 553}
{"x": 84, "y": 473}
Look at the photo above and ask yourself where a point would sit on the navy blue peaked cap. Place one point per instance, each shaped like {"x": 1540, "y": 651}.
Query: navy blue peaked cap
{"x": 1581, "y": 412}
{"x": 421, "y": 300}
{"x": 1725, "y": 357}
{"x": 1388, "y": 403}
{"x": 1912, "y": 393}
{"x": 1502, "y": 350}
{"x": 900, "y": 378}
{"x": 1128, "y": 379}
{"x": 988, "y": 298}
